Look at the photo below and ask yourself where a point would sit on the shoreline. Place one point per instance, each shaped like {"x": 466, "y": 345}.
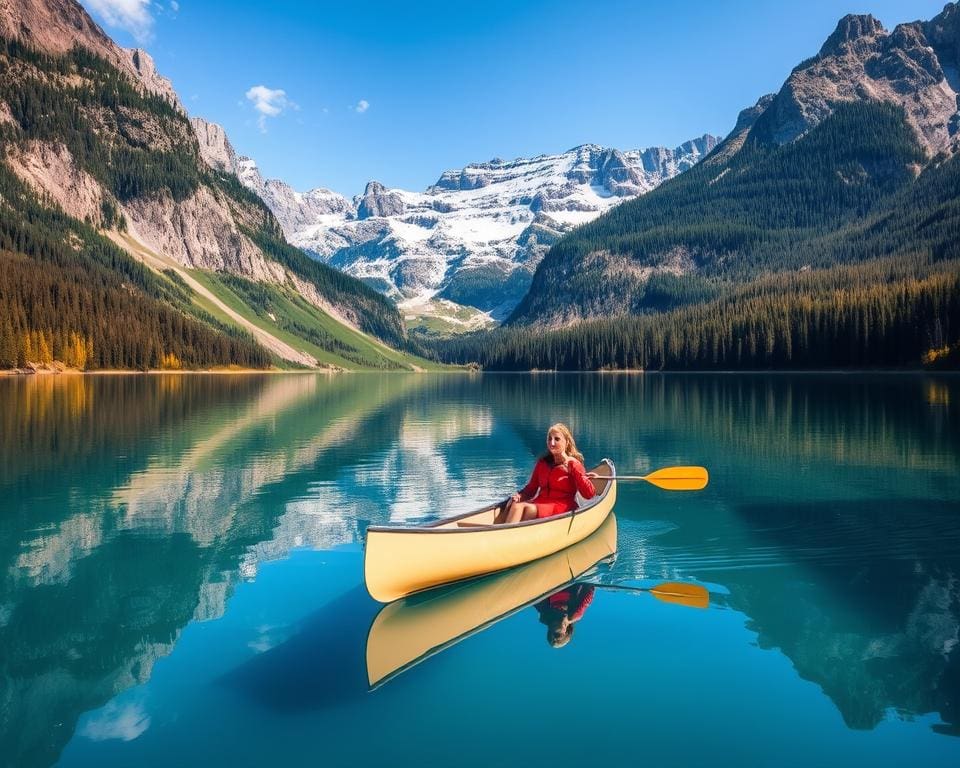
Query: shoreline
{"x": 27, "y": 372}
{"x": 45, "y": 371}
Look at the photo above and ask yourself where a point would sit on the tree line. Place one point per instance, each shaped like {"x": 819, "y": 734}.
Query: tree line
{"x": 889, "y": 314}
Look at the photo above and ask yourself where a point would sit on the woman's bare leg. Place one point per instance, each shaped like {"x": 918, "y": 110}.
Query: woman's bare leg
{"x": 520, "y": 511}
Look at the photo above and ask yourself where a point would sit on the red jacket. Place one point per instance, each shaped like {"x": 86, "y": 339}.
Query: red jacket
{"x": 555, "y": 483}
{"x": 572, "y": 601}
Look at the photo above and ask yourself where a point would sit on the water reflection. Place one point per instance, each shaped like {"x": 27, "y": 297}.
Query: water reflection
{"x": 133, "y": 505}
{"x": 562, "y": 610}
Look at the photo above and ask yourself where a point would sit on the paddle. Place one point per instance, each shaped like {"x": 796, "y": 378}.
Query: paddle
{"x": 673, "y": 478}
{"x": 677, "y": 592}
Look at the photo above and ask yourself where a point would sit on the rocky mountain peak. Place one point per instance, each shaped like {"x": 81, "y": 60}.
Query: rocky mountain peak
{"x": 294, "y": 210}
{"x": 374, "y": 188}
{"x": 248, "y": 173}
{"x": 861, "y": 61}
{"x": 851, "y": 27}
{"x": 377, "y": 200}
{"x": 943, "y": 33}
{"x": 616, "y": 174}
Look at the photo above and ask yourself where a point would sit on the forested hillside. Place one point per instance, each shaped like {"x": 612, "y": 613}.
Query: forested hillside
{"x": 70, "y": 295}
{"x": 767, "y": 208}
{"x": 888, "y": 313}
{"x": 64, "y": 286}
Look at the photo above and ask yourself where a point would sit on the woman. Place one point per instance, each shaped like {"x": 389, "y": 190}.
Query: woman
{"x": 557, "y": 477}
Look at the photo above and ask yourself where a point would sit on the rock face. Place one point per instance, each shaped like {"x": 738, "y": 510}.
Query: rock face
{"x": 915, "y": 66}
{"x": 476, "y": 235}
{"x": 146, "y": 70}
{"x": 215, "y": 148}
{"x": 50, "y": 170}
{"x": 200, "y": 232}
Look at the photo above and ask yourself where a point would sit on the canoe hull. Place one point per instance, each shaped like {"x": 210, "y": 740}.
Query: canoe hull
{"x": 402, "y": 561}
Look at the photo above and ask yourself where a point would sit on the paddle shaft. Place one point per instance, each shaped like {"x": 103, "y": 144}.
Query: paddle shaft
{"x": 627, "y": 477}
{"x": 673, "y": 478}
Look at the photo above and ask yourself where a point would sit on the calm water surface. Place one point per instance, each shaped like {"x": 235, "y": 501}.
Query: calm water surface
{"x": 182, "y": 572}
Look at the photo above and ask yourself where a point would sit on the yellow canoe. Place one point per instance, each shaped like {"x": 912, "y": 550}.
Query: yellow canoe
{"x": 408, "y": 631}
{"x": 400, "y": 561}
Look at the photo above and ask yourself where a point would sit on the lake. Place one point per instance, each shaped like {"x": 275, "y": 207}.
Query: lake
{"x": 182, "y": 572}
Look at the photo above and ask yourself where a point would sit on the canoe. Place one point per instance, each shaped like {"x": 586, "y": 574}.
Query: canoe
{"x": 400, "y": 561}
{"x": 408, "y": 631}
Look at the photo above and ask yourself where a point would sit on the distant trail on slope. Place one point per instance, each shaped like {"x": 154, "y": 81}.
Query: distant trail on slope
{"x": 155, "y": 261}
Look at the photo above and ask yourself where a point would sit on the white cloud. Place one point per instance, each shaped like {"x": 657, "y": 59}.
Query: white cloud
{"x": 362, "y": 106}
{"x": 132, "y": 15}
{"x": 174, "y": 5}
{"x": 268, "y": 102}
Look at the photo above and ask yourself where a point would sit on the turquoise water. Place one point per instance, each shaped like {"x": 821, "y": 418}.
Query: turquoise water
{"x": 182, "y": 571}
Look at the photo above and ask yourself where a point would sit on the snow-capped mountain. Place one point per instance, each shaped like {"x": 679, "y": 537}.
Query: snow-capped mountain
{"x": 475, "y": 236}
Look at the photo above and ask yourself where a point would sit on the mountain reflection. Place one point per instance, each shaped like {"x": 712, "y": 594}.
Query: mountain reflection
{"x": 132, "y": 505}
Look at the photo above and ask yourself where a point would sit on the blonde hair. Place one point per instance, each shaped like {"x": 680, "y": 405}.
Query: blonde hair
{"x": 561, "y": 638}
{"x": 564, "y": 430}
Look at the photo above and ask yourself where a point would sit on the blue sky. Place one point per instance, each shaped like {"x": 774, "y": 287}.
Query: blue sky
{"x": 400, "y": 92}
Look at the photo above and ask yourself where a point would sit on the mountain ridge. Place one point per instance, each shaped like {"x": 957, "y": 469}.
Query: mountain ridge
{"x": 477, "y": 233}
{"x": 664, "y": 235}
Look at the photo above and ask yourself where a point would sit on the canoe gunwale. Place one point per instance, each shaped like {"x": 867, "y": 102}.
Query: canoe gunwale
{"x": 434, "y": 526}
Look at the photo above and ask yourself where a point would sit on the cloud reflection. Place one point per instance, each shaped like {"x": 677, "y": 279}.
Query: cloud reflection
{"x": 125, "y": 722}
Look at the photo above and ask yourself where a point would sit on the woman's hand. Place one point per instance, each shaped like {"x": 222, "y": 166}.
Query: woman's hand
{"x": 515, "y": 498}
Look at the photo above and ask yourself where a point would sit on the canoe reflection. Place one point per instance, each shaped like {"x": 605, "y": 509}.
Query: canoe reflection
{"x": 410, "y": 630}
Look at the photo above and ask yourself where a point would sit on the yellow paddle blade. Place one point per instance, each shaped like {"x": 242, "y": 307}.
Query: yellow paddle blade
{"x": 679, "y": 478}
{"x": 680, "y": 593}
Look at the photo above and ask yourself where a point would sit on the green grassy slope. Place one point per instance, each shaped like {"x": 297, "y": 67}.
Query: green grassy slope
{"x": 285, "y": 314}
